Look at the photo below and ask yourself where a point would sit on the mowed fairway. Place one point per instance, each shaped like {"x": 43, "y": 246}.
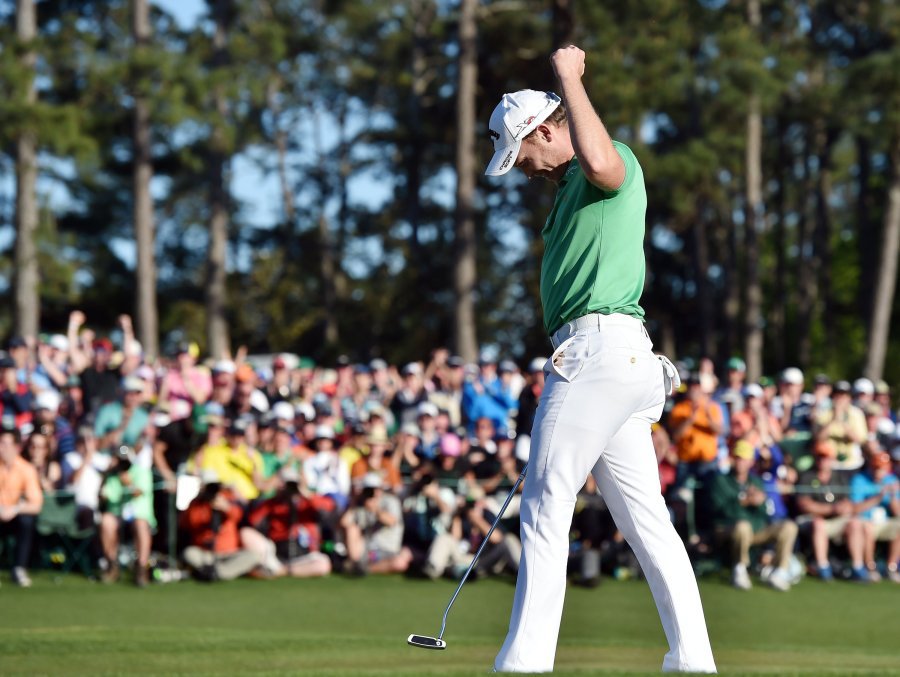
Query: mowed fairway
{"x": 341, "y": 626}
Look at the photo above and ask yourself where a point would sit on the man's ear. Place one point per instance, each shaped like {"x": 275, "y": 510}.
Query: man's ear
{"x": 545, "y": 131}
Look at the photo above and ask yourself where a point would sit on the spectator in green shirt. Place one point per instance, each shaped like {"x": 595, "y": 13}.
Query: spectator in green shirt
{"x": 740, "y": 514}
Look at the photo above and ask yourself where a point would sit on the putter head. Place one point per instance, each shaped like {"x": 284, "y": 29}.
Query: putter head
{"x": 424, "y": 642}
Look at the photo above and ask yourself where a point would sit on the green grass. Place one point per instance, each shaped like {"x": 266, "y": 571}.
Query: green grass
{"x": 341, "y": 626}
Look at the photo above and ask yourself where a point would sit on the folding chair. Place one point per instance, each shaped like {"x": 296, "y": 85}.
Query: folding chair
{"x": 63, "y": 542}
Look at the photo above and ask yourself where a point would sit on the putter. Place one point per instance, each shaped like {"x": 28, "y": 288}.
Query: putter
{"x": 438, "y": 643}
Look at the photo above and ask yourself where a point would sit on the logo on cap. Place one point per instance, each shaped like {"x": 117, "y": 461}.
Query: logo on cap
{"x": 494, "y": 135}
{"x": 522, "y": 125}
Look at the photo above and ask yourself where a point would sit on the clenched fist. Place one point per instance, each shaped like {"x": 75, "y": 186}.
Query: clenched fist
{"x": 568, "y": 62}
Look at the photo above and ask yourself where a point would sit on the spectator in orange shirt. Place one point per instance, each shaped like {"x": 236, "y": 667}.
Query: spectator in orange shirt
{"x": 377, "y": 461}
{"x": 212, "y": 521}
{"x": 20, "y": 501}
{"x": 696, "y": 423}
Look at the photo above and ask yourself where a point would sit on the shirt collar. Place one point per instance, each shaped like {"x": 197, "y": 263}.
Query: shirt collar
{"x": 571, "y": 170}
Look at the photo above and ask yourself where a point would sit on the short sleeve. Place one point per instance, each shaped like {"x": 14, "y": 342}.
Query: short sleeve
{"x": 631, "y": 167}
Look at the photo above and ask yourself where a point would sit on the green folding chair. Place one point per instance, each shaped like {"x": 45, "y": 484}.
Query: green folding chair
{"x": 64, "y": 545}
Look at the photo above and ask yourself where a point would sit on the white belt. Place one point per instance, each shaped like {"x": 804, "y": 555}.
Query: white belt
{"x": 598, "y": 320}
{"x": 671, "y": 377}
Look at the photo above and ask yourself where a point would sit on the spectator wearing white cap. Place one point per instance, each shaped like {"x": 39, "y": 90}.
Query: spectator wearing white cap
{"x": 82, "y": 473}
{"x": 123, "y": 422}
{"x": 863, "y": 392}
{"x": 223, "y": 382}
{"x": 412, "y": 393}
{"x": 755, "y": 423}
{"x": 324, "y": 472}
{"x": 429, "y": 443}
{"x": 789, "y": 398}
{"x": 47, "y": 421}
{"x": 385, "y": 381}
{"x": 52, "y": 370}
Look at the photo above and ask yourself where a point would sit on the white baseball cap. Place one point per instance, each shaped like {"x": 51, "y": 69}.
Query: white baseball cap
{"x": 284, "y": 411}
{"x": 59, "y": 342}
{"x": 427, "y": 409}
{"x": 753, "y": 390}
{"x": 47, "y": 399}
{"x": 537, "y": 364}
{"x": 792, "y": 375}
{"x": 863, "y": 386}
{"x": 514, "y": 118}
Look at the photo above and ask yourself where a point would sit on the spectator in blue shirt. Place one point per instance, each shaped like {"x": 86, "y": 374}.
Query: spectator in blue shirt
{"x": 486, "y": 396}
{"x": 875, "y": 492}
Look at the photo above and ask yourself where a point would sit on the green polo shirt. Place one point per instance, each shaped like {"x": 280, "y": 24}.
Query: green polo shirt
{"x": 594, "y": 246}
{"x": 725, "y": 499}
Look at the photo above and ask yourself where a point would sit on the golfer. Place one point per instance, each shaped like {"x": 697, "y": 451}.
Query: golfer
{"x": 604, "y": 384}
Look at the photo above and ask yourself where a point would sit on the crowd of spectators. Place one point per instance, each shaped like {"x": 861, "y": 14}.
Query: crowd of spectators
{"x": 275, "y": 466}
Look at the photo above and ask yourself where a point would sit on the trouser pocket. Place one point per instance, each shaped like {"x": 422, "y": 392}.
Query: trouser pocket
{"x": 568, "y": 359}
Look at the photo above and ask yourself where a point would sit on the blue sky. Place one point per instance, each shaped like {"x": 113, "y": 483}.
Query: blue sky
{"x": 186, "y": 12}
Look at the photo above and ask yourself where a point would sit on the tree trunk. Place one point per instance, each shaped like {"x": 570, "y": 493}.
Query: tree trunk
{"x": 144, "y": 222}
{"x": 466, "y": 343}
{"x": 808, "y": 262}
{"x": 887, "y": 273}
{"x": 732, "y": 287}
{"x": 328, "y": 264}
{"x": 281, "y": 148}
{"x": 822, "y": 236}
{"x": 216, "y": 292}
{"x": 422, "y": 15}
{"x": 700, "y": 255}
{"x": 867, "y": 241}
{"x": 754, "y": 225}
{"x": 27, "y": 275}
{"x": 777, "y": 338}
{"x": 329, "y": 287}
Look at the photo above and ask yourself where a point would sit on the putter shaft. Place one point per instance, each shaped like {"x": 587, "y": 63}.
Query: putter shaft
{"x": 480, "y": 548}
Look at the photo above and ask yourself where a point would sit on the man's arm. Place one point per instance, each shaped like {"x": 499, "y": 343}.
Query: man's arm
{"x": 600, "y": 162}
{"x": 78, "y": 359}
{"x": 33, "y": 495}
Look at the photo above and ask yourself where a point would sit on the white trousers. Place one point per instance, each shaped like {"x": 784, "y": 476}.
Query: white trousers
{"x": 604, "y": 388}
